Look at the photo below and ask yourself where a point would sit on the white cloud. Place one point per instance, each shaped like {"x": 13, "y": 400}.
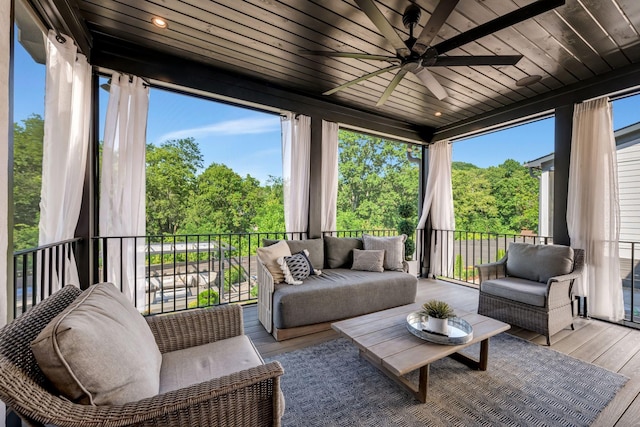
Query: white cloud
{"x": 245, "y": 126}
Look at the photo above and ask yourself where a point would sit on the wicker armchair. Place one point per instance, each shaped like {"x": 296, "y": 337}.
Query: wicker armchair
{"x": 545, "y": 308}
{"x": 247, "y": 398}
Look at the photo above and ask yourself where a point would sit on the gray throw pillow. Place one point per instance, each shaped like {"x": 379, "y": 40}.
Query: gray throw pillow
{"x": 393, "y": 247}
{"x": 100, "y": 350}
{"x": 338, "y": 251}
{"x": 368, "y": 260}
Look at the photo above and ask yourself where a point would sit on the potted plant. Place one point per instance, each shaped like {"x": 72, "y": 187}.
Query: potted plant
{"x": 439, "y": 313}
{"x": 406, "y": 225}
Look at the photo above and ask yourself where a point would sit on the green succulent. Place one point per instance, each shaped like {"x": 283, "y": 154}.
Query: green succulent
{"x": 438, "y": 309}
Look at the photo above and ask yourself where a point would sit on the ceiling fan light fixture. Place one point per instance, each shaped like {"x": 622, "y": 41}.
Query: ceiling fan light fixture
{"x": 159, "y": 22}
{"x": 437, "y": 113}
{"x": 529, "y": 80}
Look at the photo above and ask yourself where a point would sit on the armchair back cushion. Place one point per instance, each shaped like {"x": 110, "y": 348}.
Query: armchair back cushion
{"x": 539, "y": 262}
{"x": 99, "y": 350}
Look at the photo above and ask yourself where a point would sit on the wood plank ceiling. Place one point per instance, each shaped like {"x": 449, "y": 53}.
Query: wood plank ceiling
{"x": 263, "y": 39}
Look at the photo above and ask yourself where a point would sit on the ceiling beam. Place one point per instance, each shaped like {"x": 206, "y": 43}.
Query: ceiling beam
{"x": 126, "y": 57}
{"x": 605, "y": 84}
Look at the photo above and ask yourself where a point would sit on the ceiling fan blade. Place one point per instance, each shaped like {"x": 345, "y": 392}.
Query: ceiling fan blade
{"x": 387, "y": 30}
{"x": 431, "y": 29}
{"x": 359, "y": 79}
{"x": 511, "y": 18}
{"x": 453, "y": 61}
{"x": 431, "y": 83}
{"x": 391, "y": 87}
{"x": 350, "y": 55}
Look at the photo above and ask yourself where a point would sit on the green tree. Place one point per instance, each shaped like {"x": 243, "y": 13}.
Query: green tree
{"x": 224, "y": 201}
{"x": 516, "y": 194}
{"x": 270, "y": 214}
{"x": 27, "y": 180}
{"x": 375, "y": 176}
{"x": 171, "y": 182}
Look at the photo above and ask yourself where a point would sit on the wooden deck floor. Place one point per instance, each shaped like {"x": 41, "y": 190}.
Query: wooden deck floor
{"x": 610, "y": 346}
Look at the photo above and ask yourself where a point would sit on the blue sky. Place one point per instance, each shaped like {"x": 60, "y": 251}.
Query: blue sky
{"x": 248, "y": 141}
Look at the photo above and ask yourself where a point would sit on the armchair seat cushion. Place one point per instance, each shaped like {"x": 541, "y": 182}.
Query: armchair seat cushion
{"x": 516, "y": 289}
{"x": 193, "y": 365}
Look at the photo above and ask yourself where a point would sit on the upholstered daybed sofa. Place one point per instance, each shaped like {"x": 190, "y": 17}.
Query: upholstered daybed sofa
{"x": 532, "y": 287}
{"x": 375, "y": 280}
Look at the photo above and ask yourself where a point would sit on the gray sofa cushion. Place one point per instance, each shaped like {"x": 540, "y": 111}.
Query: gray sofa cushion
{"x": 516, "y": 289}
{"x": 339, "y": 294}
{"x": 539, "y": 262}
{"x": 338, "y": 251}
{"x": 314, "y": 246}
{"x": 194, "y": 365}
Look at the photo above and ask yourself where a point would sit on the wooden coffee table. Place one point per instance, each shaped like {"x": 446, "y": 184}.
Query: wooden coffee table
{"x": 383, "y": 339}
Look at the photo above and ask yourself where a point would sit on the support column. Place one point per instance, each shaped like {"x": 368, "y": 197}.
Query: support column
{"x": 315, "y": 179}
{"x": 86, "y": 228}
{"x": 425, "y": 241}
{"x": 563, "y": 130}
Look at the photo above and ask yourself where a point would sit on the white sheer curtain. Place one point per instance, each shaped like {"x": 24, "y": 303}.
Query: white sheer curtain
{"x": 5, "y": 43}
{"x": 122, "y": 185}
{"x": 296, "y": 149}
{"x": 67, "y": 115}
{"x": 593, "y": 210}
{"x": 329, "y": 175}
{"x": 438, "y": 200}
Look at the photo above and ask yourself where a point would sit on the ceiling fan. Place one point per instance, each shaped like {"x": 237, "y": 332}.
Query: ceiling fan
{"x": 415, "y": 55}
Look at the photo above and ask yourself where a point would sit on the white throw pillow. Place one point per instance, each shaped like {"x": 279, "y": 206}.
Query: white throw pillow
{"x": 269, "y": 257}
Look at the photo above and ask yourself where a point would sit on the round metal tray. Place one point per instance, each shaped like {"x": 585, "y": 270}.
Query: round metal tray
{"x": 460, "y": 331}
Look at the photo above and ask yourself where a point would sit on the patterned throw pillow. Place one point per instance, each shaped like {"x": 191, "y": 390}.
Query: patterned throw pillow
{"x": 296, "y": 268}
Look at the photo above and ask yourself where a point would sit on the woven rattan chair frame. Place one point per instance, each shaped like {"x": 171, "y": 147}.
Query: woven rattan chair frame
{"x": 248, "y": 398}
{"x": 556, "y": 314}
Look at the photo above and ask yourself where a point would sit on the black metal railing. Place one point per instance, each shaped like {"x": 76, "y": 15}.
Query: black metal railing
{"x": 460, "y": 250}
{"x": 630, "y": 273}
{"x": 168, "y": 273}
{"x": 37, "y": 271}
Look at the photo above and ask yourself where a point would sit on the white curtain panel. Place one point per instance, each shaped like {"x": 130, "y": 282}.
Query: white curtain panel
{"x": 593, "y": 208}
{"x": 329, "y": 175}
{"x": 122, "y": 184}
{"x": 296, "y": 151}
{"x": 5, "y": 64}
{"x": 67, "y": 115}
{"x": 438, "y": 200}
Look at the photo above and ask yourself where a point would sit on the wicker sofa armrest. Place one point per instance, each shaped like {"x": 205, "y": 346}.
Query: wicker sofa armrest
{"x": 196, "y": 327}
{"x": 265, "y": 296}
{"x": 493, "y": 270}
{"x": 233, "y": 400}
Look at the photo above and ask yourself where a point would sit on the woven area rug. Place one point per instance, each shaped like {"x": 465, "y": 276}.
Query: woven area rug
{"x": 525, "y": 385}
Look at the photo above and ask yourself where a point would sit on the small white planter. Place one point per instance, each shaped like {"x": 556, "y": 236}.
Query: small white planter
{"x": 439, "y": 326}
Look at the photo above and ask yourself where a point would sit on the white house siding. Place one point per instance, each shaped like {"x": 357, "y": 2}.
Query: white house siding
{"x": 629, "y": 192}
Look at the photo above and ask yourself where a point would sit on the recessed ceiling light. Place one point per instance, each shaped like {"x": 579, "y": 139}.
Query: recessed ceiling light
{"x": 159, "y": 22}
{"x": 529, "y": 80}
{"x": 437, "y": 114}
